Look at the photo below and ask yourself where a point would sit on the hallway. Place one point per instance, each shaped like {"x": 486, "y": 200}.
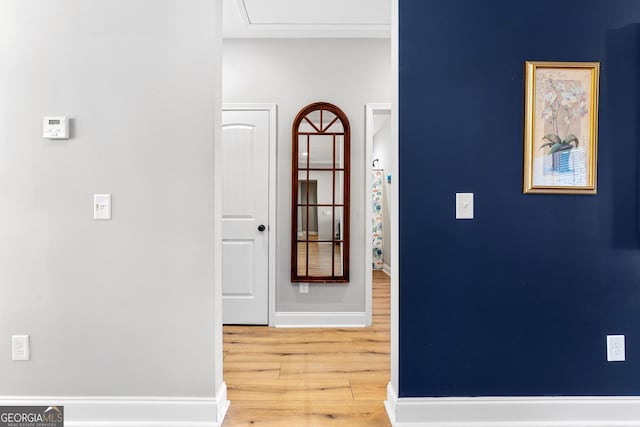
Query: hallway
{"x": 310, "y": 377}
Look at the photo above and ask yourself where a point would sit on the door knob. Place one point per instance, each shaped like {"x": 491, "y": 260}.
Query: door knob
{"x": 261, "y": 227}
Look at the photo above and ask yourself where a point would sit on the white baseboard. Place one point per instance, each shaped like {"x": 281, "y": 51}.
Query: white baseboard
{"x": 387, "y": 269}
{"x": 320, "y": 320}
{"x": 513, "y": 411}
{"x": 133, "y": 411}
{"x": 222, "y": 403}
{"x": 390, "y": 405}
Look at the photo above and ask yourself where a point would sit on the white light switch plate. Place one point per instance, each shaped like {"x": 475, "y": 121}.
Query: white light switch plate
{"x": 615, "y": 348}
{"x": 304, "y": 288}
{"x": 464, "y": 205}
{"x": 102, "y": 206}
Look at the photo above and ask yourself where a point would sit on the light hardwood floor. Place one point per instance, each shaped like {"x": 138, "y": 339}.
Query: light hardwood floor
{"x": 310, "y": 377}
{"x": 320, "y": 257}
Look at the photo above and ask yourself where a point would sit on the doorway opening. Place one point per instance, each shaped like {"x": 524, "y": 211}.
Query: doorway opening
{"x": 308, "y": 194}
{"x": 284, "y": 376}
{"x": 380, "y": 164}
{"x": 278, "y": 81}
{"x": 381, "y": 176}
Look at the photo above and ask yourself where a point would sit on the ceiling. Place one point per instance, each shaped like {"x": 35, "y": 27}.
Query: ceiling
{"x": 306, "y": 19}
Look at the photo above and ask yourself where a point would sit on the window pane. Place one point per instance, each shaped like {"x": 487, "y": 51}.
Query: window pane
{"x": 340, "y": 151}
{"x": 321, "y": 189}
{"x": 338, "y": 260}
{"x": 303, "y": 155}
{"x": 321, "y": 151}
{"x": 320, "y": 259}
{"x": 307, "y": 223}
{"x": 338, "y": 224}
{"x": 333, "y": 125}
{"x": 302, "y": 259}
{"x": 307, "y": 190}
{"x": 309, "y": 123}
{"x": 325, "y": 188}
{"x": 327, "y": 119}
{"x": 339, "y": 187}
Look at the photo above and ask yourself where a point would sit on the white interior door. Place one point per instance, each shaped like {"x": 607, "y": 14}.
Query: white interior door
{"x": 245, "y": 217}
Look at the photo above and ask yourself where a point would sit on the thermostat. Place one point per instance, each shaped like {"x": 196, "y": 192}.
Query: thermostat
{"x": 55, "y": 127}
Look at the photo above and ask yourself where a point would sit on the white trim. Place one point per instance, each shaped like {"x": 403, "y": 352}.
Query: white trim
{"x": 222, "y": 403}
{"x": 513, "y": 411}
{"x": 387, "y": 269}
{"x": 131, "y": 411}
{"x": 320, "y": 320}
{"x": 218, "y": 381}
{"x": 273, "y": 144}
{"x": 370, "y": 109}
{"x": 300, "y": 31}
{"x": 394, "y": 206}
{"x": 391, "y": 403}
{"x": 246, "y": 29}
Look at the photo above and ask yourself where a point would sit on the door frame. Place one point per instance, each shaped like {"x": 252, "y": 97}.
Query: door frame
{"x": 370, "y": 110}
{"x": 272, "y": 109}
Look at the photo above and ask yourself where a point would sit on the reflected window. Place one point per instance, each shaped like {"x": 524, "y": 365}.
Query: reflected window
{"x": 320, "y": 195}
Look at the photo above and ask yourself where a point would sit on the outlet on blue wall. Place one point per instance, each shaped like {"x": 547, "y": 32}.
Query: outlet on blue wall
{"x": 518, "y": 301}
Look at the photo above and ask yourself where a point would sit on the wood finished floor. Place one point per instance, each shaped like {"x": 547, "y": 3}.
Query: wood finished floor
{"x": 310, "y": 377}
{"x": 321, "y": 257}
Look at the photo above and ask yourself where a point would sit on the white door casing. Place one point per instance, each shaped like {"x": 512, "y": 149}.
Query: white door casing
{"x": 246, "y": 232}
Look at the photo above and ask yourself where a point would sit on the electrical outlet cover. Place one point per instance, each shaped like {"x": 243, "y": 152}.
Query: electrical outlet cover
{"x": 20, "y": 347}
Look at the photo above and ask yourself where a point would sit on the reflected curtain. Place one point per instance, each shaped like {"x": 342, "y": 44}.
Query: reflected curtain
{"x": 376, "y": 227}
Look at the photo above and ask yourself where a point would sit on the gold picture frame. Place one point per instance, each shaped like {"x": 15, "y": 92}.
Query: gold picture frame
{"x": 561, "y": 127}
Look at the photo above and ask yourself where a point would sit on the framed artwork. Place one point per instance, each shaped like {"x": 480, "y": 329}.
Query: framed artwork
{"x": 561, "y": 127}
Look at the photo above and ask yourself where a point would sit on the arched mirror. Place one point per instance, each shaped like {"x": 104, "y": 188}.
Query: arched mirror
{"x": 320, "y": 194}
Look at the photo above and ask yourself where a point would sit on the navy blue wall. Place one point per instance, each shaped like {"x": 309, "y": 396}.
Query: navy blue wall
{"x": 519, "y": 300}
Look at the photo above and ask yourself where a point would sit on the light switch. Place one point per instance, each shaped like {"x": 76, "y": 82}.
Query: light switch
{"x": 102, "y": 206}
{"x": 615, "y": 348}
{"x": 464, "y": 205}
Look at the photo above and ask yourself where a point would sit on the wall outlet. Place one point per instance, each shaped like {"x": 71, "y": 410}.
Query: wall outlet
{"x": 615, "y": 348}
{"x": 20, "y": 347}
{"x": 303, "y": 288}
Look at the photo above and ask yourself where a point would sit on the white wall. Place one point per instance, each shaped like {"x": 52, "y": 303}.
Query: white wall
{"x": 294, "y": 73}
{"x": 110, "y": 306}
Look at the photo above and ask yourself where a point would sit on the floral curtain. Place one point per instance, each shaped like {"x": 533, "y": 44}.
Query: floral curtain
{"x": 376, "y": 229}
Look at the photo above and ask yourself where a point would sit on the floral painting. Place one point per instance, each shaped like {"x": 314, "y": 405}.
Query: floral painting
{"x": 561, "y": 127}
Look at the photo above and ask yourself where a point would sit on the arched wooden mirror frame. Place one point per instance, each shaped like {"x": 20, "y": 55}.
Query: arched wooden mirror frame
{"x": 327, "y": 123}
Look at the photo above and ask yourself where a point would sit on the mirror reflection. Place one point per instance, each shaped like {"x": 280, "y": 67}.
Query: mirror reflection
{"x": 320, "y": 181}
{"x": 318, "y": 256}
